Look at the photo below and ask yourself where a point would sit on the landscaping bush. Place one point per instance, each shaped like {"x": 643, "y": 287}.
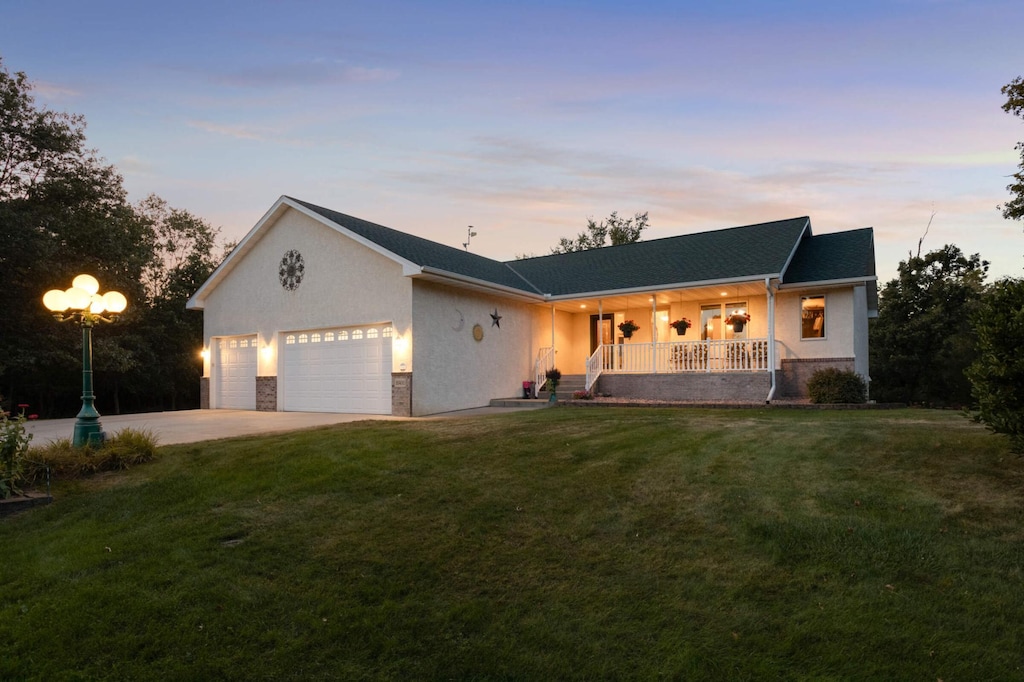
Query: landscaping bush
{"x": 126, "y": 448}
{"x": 13, "y": 446}
{"x": 581, "y": 395}
{"x": 833, "y": 385}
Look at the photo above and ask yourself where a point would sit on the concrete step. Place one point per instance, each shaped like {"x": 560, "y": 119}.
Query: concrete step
{"x": 534, "y": 404}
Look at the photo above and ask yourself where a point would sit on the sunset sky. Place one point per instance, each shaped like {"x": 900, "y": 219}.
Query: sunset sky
{"x": 526, "y": 118}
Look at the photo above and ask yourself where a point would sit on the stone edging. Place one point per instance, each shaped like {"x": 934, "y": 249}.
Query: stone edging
{"x": 728, "y": 406}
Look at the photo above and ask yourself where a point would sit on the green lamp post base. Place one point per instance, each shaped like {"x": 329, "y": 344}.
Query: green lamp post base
{"x": 88, "y": 431}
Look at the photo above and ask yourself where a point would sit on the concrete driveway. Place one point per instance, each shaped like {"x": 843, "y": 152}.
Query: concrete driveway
{"x": 189, "y": 426}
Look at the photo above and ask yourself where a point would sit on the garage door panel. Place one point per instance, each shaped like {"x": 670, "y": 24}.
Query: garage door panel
{"x": 338, "y": 370}
{"x": 236, "y": 373}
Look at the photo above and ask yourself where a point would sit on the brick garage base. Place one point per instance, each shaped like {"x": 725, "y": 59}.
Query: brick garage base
{"x": 204, "y": 393}
{"x": 792, "y": 378}
{"x": 688, "y": 387}
{"x": 266, "y": 394}
{"x": 401, "y": 394}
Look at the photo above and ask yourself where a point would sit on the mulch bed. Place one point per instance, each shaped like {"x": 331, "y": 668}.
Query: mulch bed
{"x": 775, "y": 404}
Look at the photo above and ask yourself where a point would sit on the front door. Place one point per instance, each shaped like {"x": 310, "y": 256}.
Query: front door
{"x": 601, "y": 330}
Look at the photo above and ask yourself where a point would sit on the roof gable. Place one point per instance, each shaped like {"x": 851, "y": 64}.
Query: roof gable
{"x": 831, "y": 257}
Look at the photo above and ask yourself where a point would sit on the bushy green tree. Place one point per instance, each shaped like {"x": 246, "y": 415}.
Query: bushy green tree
{"x": 613, "y": 230}
{"x": 923, "y": 340}
{"x": 64, "y": 211}
{"x": 997, "y": 375}
{"x": 1014, "y": 208}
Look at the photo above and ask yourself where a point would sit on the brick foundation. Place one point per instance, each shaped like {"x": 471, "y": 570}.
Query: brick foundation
{"x": 204, "y": 393}
{"x": 792, "y": 378}
{"x": 266, "y": 394}
{"x": 689, "y": 386}
{"x": 401, "y": 394}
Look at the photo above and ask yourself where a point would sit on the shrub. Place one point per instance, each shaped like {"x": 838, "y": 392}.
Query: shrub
{"x": 13, "y": 446}
{"x": 832, "y": 385}
{"x": 581, "y": 395}
{"x": 126, "y": 448}
{"x": 997, "y": 376}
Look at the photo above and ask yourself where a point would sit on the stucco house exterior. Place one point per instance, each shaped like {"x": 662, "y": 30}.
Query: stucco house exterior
{"x": 315, "y": 310}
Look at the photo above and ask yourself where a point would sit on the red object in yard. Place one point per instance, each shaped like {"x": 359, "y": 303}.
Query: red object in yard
{"x": 528, "y": 388}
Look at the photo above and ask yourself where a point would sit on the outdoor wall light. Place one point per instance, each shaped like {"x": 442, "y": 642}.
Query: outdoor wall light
{"x": 267, "y": 352}
{"x": 84, "y": 304}
{"x": 205, "y": 354}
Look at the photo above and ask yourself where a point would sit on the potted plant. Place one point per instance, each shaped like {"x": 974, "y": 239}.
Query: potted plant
{"x": 737, "y": 319}
{"x": 553, "y": 376}
{"x": 628, "y": 327}
{"x": 681, "y": 325}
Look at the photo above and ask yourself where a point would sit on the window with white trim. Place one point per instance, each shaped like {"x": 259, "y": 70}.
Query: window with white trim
{"x": 357, "y": 334}
{"x": 812, "y": 317}
{"x": 372, "y": 333}
{"x": 388, "y": 332}
{"x": 289, "y": 340}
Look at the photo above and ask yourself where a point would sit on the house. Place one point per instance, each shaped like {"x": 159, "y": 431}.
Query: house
{"x": 319, "y": 311}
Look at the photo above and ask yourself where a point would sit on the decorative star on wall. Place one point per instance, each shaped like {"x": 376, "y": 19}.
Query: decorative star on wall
{"x": 496, "y": 319}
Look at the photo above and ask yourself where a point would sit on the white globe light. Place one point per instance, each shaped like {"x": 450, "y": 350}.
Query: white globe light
{"x": 96, "y": 306}
{"x": 115, "y": 302}
{"x": 86, "y": 283}
{"x": 55, "y": 300}
{"x": 78, "y": 299}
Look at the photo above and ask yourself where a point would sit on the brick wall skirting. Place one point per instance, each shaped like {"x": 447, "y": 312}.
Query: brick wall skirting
{"x": 688, "y": 386}
{"x": 204, "y": 393}
{"x": 266, "y": 394}
{"x": 792, "y": 378}
{"x": 401, "y": 394}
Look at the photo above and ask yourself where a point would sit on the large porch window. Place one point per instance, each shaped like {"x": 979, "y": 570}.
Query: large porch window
{"x": 812, "y": 317}
{"x": 712, "y": 321}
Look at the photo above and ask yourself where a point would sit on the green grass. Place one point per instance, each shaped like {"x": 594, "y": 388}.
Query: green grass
{"x": 558, "y": 544}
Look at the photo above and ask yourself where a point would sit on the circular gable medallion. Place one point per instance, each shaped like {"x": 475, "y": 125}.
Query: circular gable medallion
{"x": 291, "y": 270}
{"x": 478, "y": 332}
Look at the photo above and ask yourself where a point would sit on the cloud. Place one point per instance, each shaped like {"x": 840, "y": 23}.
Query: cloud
{"x": 236, "y": 131}
{"x": 53, "y": 91}
{"x": 315, "y": 72}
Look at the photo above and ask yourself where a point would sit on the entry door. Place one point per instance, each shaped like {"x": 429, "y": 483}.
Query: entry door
{"x": 236, "y": 373}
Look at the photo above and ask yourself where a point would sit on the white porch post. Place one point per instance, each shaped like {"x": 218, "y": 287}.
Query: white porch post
{"x": 552, "y": 333}
{"x": 654, "y": 334}
{"x": 771, "y": 337}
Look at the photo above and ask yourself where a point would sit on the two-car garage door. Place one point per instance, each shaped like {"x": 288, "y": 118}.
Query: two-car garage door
{"x": 342, "y": 369}
{"x": 337, "y": 370}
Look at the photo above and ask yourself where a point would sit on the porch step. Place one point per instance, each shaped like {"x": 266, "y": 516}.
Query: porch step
{"x": 530, "y": 404}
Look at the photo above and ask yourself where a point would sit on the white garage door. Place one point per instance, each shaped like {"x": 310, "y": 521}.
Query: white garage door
{"x": 338, "y": 370}
{"x": 236, "y": 373}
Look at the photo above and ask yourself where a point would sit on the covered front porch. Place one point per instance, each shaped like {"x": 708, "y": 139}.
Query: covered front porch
{"x": 726, "y": 328}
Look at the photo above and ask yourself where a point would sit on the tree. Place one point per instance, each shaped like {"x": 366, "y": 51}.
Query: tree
{"x": 64, "y": 211}
{"x": 923, "y": 340}
{"x": 1014, "y": 209}
{"x": 997, "y": 375}
{"x": 619, "y": 230}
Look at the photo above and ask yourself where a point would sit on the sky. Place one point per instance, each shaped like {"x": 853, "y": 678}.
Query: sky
{"x": 524, "y": 119}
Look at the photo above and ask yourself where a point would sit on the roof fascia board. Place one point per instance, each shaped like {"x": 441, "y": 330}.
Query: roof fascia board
{"x": 198, "y": 300}
{"x": 806, "y": 232}
{"x": 661, "y": 287}
{"x": 829, "y": 283}
{"x": 408, "y": 267}
{"x": 445, "y": 277}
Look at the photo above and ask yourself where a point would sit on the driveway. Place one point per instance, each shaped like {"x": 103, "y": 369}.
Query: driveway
{"x": 189, "y": 426}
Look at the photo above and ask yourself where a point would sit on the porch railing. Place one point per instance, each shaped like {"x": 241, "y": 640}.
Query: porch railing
{"x": 743, "y": 355}
{"x": 545, "y": 361}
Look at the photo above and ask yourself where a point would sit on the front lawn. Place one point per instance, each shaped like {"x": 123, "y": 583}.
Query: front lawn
{"x": 556, "y": 544}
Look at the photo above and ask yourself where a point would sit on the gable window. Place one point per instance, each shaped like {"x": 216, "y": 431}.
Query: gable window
{"x": 812, "y": 317}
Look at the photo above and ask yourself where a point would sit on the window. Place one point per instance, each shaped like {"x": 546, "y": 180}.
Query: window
{"x": 712, "y": 321}
{"x": 289, "y": 340}
{"x": 315, "y": 338}
{"x": 328, "y": 337}
{"x": 388, "y": 332}
{"x": 372, "y": 333}
{"x": 303, "y": 338}
{"x": 343, "y": 335}
{"x": 812, "y": 317}
{"x": 357, "y": 334}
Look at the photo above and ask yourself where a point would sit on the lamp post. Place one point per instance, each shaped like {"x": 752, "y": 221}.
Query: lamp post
{"x": 83, "y": 304}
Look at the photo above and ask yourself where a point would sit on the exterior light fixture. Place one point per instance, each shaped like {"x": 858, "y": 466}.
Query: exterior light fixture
{"x": 83, "y": 303}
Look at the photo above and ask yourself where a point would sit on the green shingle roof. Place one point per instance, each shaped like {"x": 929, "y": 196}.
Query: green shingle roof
{"x": 751, "y": 251}
{"x": 738, "y": 252}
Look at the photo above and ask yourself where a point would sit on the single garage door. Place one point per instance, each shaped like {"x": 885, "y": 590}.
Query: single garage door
{"x": 338, "y": 370}
{"x": 235, "y": 387}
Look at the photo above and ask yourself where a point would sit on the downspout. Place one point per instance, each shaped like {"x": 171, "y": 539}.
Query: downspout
{"x": 771, "y": 338}
{"x": 552, "y": 334}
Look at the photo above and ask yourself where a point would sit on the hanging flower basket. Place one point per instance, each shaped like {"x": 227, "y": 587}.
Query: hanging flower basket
{"x": 681, "y": 325}
{"x": 628, "y": 327}
{"x": 737, "y": 320}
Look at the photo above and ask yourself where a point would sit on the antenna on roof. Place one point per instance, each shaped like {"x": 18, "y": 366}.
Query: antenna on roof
{"x": 469, "y": 236}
